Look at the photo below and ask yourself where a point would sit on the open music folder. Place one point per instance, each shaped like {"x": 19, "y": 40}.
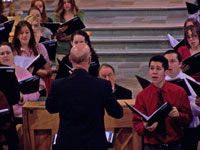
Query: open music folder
{"x": 73, "y": 25}
{"x": 156, "y": 116}
{"x": 51, "y": 47}
{"x": 194, "y": 63}
{"x": 5, "y": 29}
{"x": 195, "y": 86}
{"x": 29, "y": 85}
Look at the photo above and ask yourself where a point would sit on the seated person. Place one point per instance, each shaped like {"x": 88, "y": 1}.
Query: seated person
{"x": 7, "y": 58}
{"x": 107, "y": 72}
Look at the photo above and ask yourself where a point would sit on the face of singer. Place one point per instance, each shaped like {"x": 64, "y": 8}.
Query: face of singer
{"x": 174, "y": 64}
{"x": 157, "y": 73}
{"x": 24, "y": 35}
{"x": 39, "y": 5}
{"x": 107, "y": 74}
{"x": 193, "y": 39}
{"x": 6, "y": 55}
{"x": 36, "y": 13}
{"x": 35, "y": 26}
{"x": 77, "y": 40}
{"x": 67, "y": 5}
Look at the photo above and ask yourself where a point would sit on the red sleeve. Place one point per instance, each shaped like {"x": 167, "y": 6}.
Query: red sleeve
{"x": 184, "y": 110}
{"x": 137, "y": 120}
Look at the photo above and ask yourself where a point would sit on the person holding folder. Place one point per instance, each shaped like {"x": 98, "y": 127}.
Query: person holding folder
{"x": 65, "y": 11}
{"x": 190, "y": 139}
{"x": 41, "y": 5}
{"x": 21, "y": 74}
{"x": 25, "y": 45}
{"x": 192, "y": 46}
{"x": 167, "y": 133}
{"x": 81, "y": 99}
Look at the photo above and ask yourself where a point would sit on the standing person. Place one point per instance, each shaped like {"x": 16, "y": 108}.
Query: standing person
{"x": 80, "y": 100}
{"x": 9, "y": 88}
{"x": 46, "y": 33}
{"x": 2, "y": 17}
{"x": 65, "y": 10}
{"x": 77, "y": 38}
{"x": 25, "y": 45}
{"x": 107, "y": 72}
{"x": 35, "y": 23}
{"x": 192, "y": 46}
{"x": 190, "y": 139}
{"x": 21, "y": 74}
{"x": 41, "y": 5}
{"x": 167, "y": 133}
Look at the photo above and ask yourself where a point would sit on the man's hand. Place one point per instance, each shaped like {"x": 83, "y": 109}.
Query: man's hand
{"x": 150, "y": 128}
{"x": 174, "y": 112}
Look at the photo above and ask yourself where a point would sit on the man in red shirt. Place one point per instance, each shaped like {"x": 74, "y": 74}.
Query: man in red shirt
{"x": 165, "y": 135}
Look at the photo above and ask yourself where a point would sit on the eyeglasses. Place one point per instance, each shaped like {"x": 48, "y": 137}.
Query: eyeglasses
{"x": 193, "y": 36}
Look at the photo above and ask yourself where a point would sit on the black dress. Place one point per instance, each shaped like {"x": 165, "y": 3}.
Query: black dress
{"x": 63, "y": 71}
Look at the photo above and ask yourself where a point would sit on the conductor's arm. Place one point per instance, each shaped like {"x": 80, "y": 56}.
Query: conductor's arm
{"x": 113, "y": 108}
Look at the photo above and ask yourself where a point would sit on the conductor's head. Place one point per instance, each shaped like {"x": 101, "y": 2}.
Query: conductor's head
{"x": 80, "y": 56}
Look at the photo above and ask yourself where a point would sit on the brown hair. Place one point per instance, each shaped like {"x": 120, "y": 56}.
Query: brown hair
{"x": 43, "y": 13}
{"x": 194, "y": 30}
{"x": 16, "y": 43}
{"x": 60, "y": 11}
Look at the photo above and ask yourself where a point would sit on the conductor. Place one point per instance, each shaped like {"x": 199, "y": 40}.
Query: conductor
{"x": 80, "y": 100}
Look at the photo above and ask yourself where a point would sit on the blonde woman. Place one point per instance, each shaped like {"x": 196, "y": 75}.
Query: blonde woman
{"x": 35, "y": 23}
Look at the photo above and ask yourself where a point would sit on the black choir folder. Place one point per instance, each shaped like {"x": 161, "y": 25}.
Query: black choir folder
{"x": 29, "y": 85}
{"x": 180, "y": 82}
{"x": 67, "y": 67}
{"x": 195, "y": 86}
{"x": 38, "y": 62}
{"x": 5, "y": 29}
{"x": 161, "y": 113}
{"x": 194, "y": 63}
{"x": 73, "y": 25}
{"x": 51, "y": 47}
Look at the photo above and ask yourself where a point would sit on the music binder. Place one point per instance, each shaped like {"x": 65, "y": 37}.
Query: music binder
{"x": 195, "y": 86}
{"x": 192, "y": 8}
{"x": 174, "y": 43}
{"x": 161, "y": 113}
{"x": 194, "y": 63}
{"x": 143, "y": 82}
{"x": 29, "y": 85}
{"x": 38, "y": 62}
{"x": 5, "y": 29}
{"x": 51, "y": 47}
{"x": 73, "y": 25}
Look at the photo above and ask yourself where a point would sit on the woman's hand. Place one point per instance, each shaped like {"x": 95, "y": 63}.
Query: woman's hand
{"x": 150, "y": 128}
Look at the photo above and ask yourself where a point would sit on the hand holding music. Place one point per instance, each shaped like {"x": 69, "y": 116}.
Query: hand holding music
{"x": 174, "y": 112}
{"x": 150, "y": 128}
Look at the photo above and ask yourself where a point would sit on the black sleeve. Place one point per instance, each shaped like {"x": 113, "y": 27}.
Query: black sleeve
{"x": 63, "y": 71}
{"x": 94, "y": 67}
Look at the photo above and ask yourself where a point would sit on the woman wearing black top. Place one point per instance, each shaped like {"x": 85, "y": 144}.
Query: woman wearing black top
{"x": 65, "y": 65}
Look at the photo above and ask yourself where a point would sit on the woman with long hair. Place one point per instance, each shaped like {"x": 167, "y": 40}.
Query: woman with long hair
{"x": 25, "y": 45}
{"x": 65, "y": 11}
{"x": 41, "y": 5}
{"x": 76, "y": 38}
{"x": 192, "y": 46}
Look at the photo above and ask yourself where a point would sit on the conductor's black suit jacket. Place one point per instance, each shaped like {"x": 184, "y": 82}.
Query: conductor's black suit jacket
{"x": 80, "y": 100}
